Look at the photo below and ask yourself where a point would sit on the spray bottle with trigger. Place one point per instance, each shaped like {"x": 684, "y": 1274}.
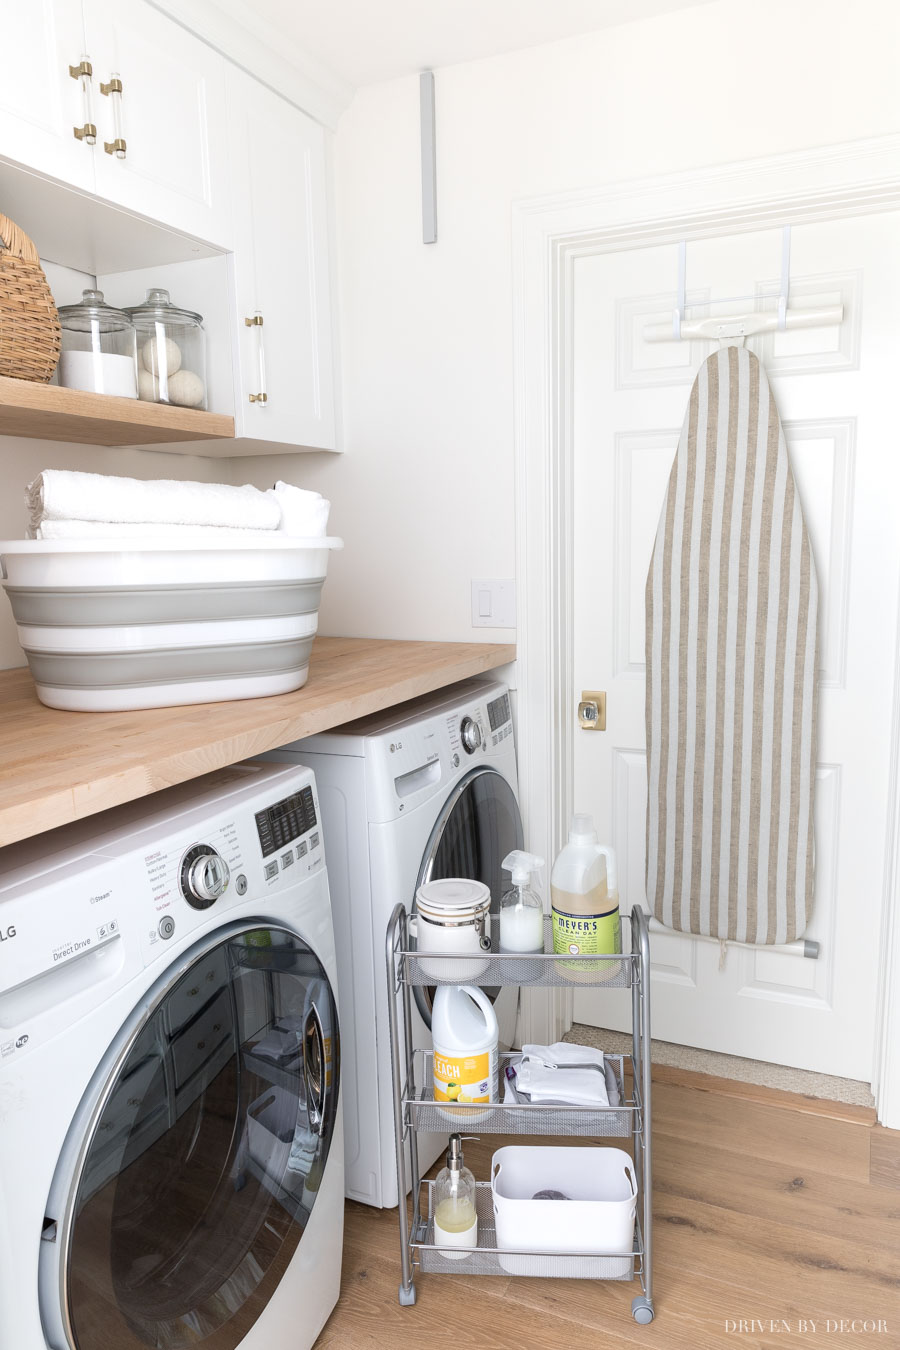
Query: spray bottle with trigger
{"x": 521, "y": 908}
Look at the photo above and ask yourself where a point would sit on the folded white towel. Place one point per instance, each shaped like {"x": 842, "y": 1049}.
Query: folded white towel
{"x": 304, "y": 514}
{"x": 563, "y": 1052}
{"x": 546, "y": 1083}
{"x": 63, "y": 494}
{"x": 99, "y": 529}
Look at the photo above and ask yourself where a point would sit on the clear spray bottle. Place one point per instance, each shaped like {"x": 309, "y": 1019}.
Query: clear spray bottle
{"x": 521, "y": 908}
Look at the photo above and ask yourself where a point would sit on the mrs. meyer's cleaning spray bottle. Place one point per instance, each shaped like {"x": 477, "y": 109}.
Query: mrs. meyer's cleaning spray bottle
{"x": 584, "y": 901}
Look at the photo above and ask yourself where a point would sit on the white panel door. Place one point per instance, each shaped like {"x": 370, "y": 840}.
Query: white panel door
{"x": 836, "y": 393}
{"x": 280, "y": 270}
{"x": 170, "y": 114}
{"x": 41, "y": 105}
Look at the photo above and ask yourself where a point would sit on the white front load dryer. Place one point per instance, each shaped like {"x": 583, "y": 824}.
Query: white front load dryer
{"x": 170, "y": 1124}
{"x": 423, "y": 791}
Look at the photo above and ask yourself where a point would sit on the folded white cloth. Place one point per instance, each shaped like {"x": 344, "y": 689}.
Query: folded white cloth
{"x": 304, "y": 514}
{"x": 64, "y": 494}
{"x": 563, "y": 1052}
{"x": 551, "y": 1083}
{"x": 189, "y": 534}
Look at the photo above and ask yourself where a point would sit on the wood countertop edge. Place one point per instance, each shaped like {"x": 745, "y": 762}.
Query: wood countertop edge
{"x": 139, "y": 772}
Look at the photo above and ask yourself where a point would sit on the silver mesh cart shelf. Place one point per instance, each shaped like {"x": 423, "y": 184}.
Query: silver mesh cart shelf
{"x": 415, "y": 1110}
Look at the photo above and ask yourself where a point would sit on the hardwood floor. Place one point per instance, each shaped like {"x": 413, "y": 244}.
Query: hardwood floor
{"x": 766, "y": 1212}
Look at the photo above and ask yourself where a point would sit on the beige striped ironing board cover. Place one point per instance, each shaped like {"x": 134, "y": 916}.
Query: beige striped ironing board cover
{"x": 732, "y": 606}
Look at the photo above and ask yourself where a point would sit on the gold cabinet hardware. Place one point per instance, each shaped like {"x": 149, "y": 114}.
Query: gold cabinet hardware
{"x": 87, "y": 133}
{"x": 114, "y": 86}
{"x": 255, "y": 322}
{"x": 259, "y": 398}
{"x": 83, "y": 68}
{"x": 116, "y": 147}
{"x": 592, "y": 710}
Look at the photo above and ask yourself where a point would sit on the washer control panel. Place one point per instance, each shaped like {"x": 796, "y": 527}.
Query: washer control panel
{"x": 284, "y": 821}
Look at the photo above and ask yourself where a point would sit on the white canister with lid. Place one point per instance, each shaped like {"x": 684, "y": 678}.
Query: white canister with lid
{"x": 452, "y": 916}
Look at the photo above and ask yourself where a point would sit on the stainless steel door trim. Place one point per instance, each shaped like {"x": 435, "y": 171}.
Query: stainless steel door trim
{"x": 58, "y": 1221}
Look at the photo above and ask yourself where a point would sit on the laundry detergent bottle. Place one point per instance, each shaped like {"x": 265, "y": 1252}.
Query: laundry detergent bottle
{"x": 585, "y": 902}
{"x": 465, "y": 1034}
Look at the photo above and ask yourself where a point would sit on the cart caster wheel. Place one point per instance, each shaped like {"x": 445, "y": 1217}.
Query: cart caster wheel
{"x": 642, "y": 1310}
{"x": 407, "y": 1297}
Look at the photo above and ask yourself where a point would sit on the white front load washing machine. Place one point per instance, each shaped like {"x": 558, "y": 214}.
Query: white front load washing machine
{"x": 171, "y": 1144}
{"x": 424, "y": 791}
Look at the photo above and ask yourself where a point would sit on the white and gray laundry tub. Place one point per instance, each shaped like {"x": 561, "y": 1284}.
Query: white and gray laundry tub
{"x": 108, "y": 625}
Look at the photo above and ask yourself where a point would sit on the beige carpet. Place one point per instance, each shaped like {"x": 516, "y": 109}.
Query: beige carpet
{"x": 731, "y": 1066}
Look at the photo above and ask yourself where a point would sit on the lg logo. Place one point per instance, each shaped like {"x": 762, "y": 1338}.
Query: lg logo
{"x": 7, "y": 933}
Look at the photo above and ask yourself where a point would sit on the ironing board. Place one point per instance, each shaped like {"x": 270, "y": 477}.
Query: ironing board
{"x": 731, "y": 647}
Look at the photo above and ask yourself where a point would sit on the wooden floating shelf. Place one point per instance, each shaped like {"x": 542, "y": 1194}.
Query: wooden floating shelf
{"x": 50, "y": 413}
{"x": 57, "y": 767}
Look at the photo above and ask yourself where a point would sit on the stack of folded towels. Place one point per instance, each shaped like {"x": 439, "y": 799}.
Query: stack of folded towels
{"x": 64, "y": 504}
{"x": 563, "y": 1074}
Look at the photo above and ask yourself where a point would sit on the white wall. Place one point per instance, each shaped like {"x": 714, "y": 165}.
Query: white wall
{"x": 424, "y": 496}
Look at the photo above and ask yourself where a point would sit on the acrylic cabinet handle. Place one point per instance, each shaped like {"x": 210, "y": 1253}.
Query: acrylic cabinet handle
{"x": 255, "y": 324}
{"x": 113, "y": 91}
{"x": 83, "y": 73}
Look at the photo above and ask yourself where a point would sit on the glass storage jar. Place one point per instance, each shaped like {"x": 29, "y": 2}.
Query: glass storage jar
{"x": 171, "y": 352}
{"x": 99, "y": 349}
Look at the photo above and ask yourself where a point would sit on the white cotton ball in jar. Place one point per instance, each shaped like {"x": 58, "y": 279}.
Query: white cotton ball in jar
{"x": 186, "y": 389}
{"x": 161, "y": 356}
{"x": 148, "y": 387}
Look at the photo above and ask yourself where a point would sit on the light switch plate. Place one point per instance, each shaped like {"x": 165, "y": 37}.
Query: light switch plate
{"x": 494, "y": 603}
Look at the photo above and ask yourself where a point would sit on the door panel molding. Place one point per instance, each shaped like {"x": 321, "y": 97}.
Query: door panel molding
{"x": 549, "y": 234}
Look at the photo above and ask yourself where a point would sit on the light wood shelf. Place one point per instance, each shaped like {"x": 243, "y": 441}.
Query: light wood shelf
{"x": 56, "y": 767}
{"x": 51, "y": 413}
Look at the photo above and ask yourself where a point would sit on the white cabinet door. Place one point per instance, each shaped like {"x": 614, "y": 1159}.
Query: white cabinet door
{"x": 834, "y": 389}
{"x": 280, "y": 270}
{"x": 170, "y": 115}
{"x": 41, "y": 104}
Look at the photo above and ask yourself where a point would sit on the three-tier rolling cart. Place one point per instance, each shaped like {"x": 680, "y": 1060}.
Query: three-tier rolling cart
{"x": 415, "y": 1110}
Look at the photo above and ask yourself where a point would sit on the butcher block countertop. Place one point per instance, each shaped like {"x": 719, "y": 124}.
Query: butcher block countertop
{"x": 56, "y": 767}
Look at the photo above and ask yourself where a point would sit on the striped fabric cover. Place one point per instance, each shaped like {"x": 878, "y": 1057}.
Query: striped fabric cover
{"x": 732, "y": 604}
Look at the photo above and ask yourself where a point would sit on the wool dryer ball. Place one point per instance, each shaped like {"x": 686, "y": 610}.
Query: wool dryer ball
{"x": 171, "y": 356}
{"x": 148, "y": 387}
{"x": 186, "y": 389}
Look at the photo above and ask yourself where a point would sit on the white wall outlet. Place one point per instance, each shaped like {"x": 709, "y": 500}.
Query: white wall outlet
{"x": 494, "y": 604}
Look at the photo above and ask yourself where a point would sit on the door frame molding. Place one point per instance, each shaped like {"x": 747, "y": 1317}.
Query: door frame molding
{"x": 549, "y": 235}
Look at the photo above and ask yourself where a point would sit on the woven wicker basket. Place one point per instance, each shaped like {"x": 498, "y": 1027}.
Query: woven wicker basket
{"x": 29, "y": 323}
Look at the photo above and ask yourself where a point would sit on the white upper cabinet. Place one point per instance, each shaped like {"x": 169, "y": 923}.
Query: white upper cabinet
{"x": 41, "y": 104}
{"x": 159, "y": 104}
{"x": 284, "y": 384}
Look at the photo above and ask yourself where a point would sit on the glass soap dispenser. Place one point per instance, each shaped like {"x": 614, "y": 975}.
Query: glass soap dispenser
{"x": 455, "y": 1219}
{"x": 521, "y": 908}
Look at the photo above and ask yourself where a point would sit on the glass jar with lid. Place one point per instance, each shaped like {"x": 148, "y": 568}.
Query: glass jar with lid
{"x": 171, "y": 352}
{"x": 99, "y": 348}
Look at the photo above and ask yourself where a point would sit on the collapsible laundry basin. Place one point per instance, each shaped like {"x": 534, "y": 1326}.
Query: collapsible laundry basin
{"x": 109, "y": 624}
{"x": 597, "y": 1217}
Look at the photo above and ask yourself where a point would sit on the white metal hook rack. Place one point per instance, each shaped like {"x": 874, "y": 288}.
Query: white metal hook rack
{"x": 733, "y": 328}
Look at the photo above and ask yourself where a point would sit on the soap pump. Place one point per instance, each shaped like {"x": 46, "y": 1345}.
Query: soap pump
{"x": 455, "y": 1217}
{"x": 521, "y": 908}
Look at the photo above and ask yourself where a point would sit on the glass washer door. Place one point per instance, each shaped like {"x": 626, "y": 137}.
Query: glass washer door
{"x": 479, "y": 825}
{"x": 204, "y": 1162}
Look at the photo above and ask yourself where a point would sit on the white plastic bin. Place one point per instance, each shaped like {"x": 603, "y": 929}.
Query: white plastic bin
{"x": 598, "y": 1216}
{"x": 114, "y": 624}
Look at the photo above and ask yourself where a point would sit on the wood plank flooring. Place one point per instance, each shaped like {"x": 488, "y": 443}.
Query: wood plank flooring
{"x": 773, "y": 1224}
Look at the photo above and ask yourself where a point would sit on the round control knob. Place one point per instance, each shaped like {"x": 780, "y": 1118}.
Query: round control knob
{"x": 470, "y": 734}
{"x": 204, "y": 876}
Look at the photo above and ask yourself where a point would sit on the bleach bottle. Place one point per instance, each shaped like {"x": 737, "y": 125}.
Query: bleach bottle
{"x": 465, "y": 1034}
